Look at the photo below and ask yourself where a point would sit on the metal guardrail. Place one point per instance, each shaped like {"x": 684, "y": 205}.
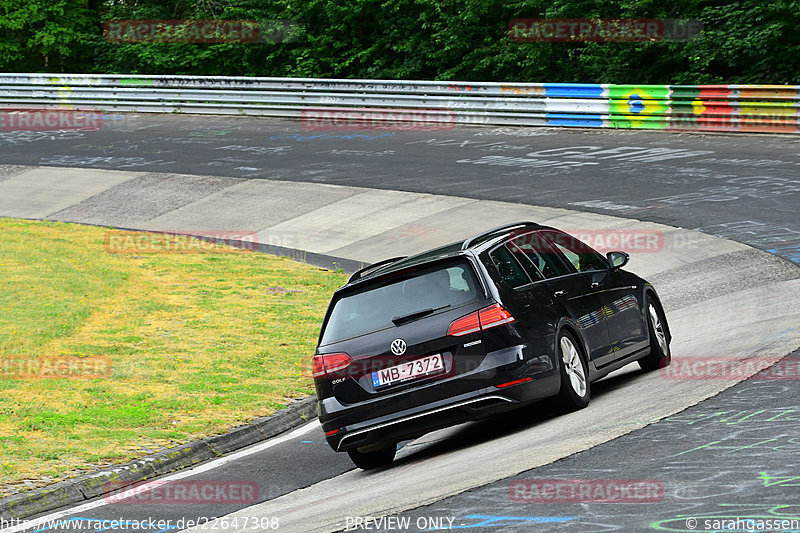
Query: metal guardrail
{"x": 733, "y": 108}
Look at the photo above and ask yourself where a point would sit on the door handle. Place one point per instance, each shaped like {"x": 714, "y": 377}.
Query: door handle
{"x": 595, "y": 284}
{"x": 558, "y": 294}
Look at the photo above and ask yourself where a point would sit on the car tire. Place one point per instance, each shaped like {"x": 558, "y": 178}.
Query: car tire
{"x": 660, "y": 355}
{"x": 575, "y": 389}
{"x": 373, "y": 459}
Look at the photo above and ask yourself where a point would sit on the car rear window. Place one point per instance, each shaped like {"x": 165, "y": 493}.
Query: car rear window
{"x": 443, "y": 286}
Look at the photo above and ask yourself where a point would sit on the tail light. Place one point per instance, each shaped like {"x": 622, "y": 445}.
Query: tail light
{"x": 322, "y": 365}
{"x": 488, "y": 317}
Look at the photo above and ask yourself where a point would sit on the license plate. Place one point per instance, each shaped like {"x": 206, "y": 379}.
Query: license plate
{"x": 433, "y": 364}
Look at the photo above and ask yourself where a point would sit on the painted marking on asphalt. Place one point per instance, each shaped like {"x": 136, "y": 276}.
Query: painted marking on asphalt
{"x": 180, "y": 475}
{"x": 498, "y": 521}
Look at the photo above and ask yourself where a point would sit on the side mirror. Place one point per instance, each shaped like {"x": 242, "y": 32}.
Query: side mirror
{"x": 617, "y": 259}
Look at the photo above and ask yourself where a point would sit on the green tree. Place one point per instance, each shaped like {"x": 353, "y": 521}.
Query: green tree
{"x": 743, "y": 41}
{"x": 46, "y": 35}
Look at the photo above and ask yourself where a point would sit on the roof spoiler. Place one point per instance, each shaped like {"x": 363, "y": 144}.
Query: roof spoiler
{"x": 498, "y": 229}
{"x": 360, "y": 273}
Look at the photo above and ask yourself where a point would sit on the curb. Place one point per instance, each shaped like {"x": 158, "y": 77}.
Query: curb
{"x": 92, "y": 485}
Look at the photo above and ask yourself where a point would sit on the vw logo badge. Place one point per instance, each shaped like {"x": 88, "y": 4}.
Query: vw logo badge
{"x": 398, "y": 346}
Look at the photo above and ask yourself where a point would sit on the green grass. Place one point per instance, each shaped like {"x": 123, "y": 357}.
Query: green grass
{"x": 195, "y": 343}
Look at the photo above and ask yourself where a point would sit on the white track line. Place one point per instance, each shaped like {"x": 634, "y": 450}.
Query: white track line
{"x": 216, "y": 463}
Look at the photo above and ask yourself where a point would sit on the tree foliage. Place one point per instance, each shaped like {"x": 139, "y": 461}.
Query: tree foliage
{"x": 743, "y": 41}
{"x": 46, "y": 35}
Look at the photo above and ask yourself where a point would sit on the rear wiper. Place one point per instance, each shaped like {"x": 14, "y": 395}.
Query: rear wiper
{"x": 416, "y": 314}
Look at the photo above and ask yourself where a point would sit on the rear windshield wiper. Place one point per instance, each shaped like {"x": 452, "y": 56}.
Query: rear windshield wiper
{"x": 416, "y": 314}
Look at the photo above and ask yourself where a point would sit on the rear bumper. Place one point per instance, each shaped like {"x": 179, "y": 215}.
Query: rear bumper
{"x": 420, "y": 419}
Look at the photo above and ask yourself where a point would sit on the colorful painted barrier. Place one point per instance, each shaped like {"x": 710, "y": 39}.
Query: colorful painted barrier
{"x": 726, "y": 108}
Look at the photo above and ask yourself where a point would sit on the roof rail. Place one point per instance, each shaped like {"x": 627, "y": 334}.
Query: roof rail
{"x": 487, "y": 233}
{"x": 359, "y": 273}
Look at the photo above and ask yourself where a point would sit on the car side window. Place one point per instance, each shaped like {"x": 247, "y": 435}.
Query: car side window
{"x": 580, "y": 254}
{"x": 541, "y": 253}
{"x": 510, "y": 270}
{"x": 528, "y": 259}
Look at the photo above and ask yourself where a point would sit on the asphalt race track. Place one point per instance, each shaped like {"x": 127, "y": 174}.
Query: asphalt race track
{"x": 732, "y": 455}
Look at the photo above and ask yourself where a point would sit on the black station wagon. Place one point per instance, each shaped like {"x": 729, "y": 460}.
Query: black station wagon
{"x": 516, "y": 314}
